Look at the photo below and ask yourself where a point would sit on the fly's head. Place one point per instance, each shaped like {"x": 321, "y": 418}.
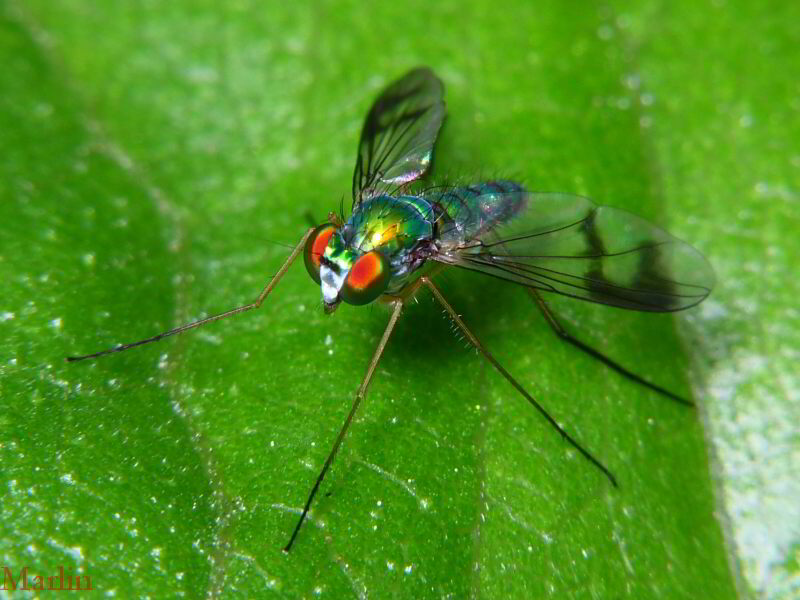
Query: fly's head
{"x": 343, "y": 270}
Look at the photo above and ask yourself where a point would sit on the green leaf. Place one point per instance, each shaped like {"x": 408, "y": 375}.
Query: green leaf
{"x": 160, "y": 160}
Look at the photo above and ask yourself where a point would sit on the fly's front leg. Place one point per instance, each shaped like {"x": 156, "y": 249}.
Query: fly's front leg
{"x": 493, "y": 361}
{"x": 567, "y": 337}
{"x": 360, "y": 395}
{"x": 234, "y": 311}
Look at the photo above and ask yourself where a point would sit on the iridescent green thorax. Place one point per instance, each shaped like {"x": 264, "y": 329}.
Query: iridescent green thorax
{"x": 390, "y": 224}
{"x": 393, "y": 226}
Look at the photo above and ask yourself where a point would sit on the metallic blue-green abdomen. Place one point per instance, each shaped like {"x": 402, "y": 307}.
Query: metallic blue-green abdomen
{"x": 466, "y": 213}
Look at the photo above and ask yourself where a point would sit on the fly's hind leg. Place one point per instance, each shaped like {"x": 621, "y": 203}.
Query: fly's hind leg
{"x": 567, "y": 337}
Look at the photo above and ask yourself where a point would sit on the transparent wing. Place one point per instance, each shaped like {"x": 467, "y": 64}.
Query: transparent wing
{"x": 398, "y": 134}
{"x": 568, "y": 245}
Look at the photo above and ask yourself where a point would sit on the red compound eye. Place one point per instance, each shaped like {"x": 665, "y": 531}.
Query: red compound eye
{"x": 368, "y": 278}
{"x": 315, "y": 248}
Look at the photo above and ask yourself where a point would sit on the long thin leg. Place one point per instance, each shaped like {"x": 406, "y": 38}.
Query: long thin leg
{"x": 567, "y": 337}
{"x": 362, "y": 392}
{"x": 261, "y": 297}
{"x": 488, "y": 356}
